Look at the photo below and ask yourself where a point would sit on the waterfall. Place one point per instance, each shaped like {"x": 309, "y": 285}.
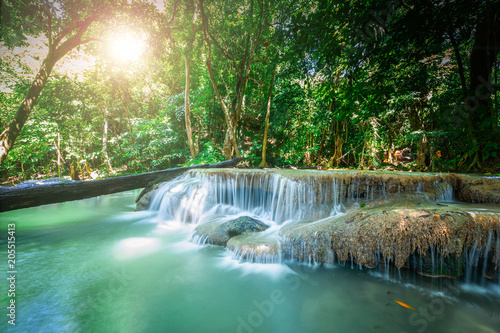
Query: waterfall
{"x": 278, "y": 196}
{"x": 273, "y": 197}
{"x": 301, "y": 209}
{"x": 444, "y": 192}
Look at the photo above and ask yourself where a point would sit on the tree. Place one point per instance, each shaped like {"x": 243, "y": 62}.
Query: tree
{"x": 190, "y": 32}
{"x": 65, "y": 31}
{"x": 236, "y": 31}
{"x": 483, "y": 57}
{"x": 263, "y": 162}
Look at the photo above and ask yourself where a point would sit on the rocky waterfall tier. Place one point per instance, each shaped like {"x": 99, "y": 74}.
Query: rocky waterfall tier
{"x": 437, "y": 224}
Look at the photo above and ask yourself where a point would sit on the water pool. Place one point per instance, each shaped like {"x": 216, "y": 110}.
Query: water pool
{"x": 96, "y": 266}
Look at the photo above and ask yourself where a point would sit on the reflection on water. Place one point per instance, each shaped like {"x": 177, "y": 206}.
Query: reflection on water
{"x": 96, "y": 266}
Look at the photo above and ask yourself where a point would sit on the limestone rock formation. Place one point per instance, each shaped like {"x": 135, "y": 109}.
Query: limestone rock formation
{"x": 144, "y": 198}
{"x": 407, "y": 231}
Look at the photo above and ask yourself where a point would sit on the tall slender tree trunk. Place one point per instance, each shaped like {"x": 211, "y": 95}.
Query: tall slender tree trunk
{"x": 263, "y": 163}
{"x": 231, "y": 127}
{"x": 242, "y": 69}
{"x": 461, "y": 72}
{"x": 482, "y": 59}
{"x": 105, "y": 144}
{"x": 423, "y": 142}
{"x": 187, "y": 108}
{"x": 59, "y": 155}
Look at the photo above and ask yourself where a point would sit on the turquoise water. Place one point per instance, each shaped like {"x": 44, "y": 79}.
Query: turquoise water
{"x": 96, "y": 266}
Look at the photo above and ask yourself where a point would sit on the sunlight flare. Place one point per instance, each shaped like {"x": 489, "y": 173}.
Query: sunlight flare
{"x": 127, "y": 47}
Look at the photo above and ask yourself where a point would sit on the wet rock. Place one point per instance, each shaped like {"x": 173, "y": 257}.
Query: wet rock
{"x": 144, "y": 198}
{"x": 218, "y": 232}
{"x": 478, "y": 189}
{"x": 435, "y": 265}
{"x": 255, "y": 247}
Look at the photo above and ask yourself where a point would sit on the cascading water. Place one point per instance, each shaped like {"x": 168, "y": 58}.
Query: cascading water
{"x": 279, "y": 198}
{"x": 272, "y": 197}
{"x": 444, "y": 192}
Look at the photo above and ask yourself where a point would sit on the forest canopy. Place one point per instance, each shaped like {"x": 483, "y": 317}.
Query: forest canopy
{"x": 101, "y": 88}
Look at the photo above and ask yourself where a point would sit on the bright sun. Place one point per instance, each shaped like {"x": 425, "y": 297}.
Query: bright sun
{"x": 126, "y": 47}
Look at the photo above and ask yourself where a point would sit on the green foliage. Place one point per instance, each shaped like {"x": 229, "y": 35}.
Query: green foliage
{"x": 355, "y": 81}
{"x": 208, "y": 155}
{"x": 34, "y": 155}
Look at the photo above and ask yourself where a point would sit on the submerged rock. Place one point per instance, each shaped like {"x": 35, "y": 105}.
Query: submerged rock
{"x": 219, "y": 232}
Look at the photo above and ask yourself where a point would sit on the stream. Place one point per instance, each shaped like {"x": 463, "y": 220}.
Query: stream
{"x": 95, "y": 265}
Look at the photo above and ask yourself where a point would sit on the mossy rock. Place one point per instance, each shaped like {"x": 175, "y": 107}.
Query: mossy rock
{"x": 219, "y": 232}
{"x": 479, "y": 190}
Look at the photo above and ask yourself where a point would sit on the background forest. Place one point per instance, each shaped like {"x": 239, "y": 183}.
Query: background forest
{"x": 135, "y": 86}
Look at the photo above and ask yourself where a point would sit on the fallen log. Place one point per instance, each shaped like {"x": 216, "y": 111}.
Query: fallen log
{"x": 12, "y": 198}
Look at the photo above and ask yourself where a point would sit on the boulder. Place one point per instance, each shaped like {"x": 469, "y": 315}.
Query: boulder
{"x": 144, "y": 198}
{"x": 218, "y": 232}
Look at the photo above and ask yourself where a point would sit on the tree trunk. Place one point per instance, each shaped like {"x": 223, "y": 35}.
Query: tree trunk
{"x": 12, "y": 198}
{"x": 59, "y": 155}
{"x": 481, "y": 117}
{"x": 187, "y": 110}
{"x": 338, "y": 137}
{"x": 11, "y": 132}
{"x": 319, "y": 156}
{"x": 242, "y": 69}
{"x": 463, "y": 83}
{"x": 482, "y": 59}
{"x": 263, "y": 163}
{"x": 105, "y": 144}
{"x": 231, "y": 132}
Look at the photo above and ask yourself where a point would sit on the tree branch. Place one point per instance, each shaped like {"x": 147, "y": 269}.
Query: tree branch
{"x": 88, "y": 40}
{"x": 75, "y": 40}
{"x": 173, "y": 12}
{"x": 49, "y": 18}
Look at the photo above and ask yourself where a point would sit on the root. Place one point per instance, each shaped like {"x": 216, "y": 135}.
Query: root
{"x": 475, "y": 162}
